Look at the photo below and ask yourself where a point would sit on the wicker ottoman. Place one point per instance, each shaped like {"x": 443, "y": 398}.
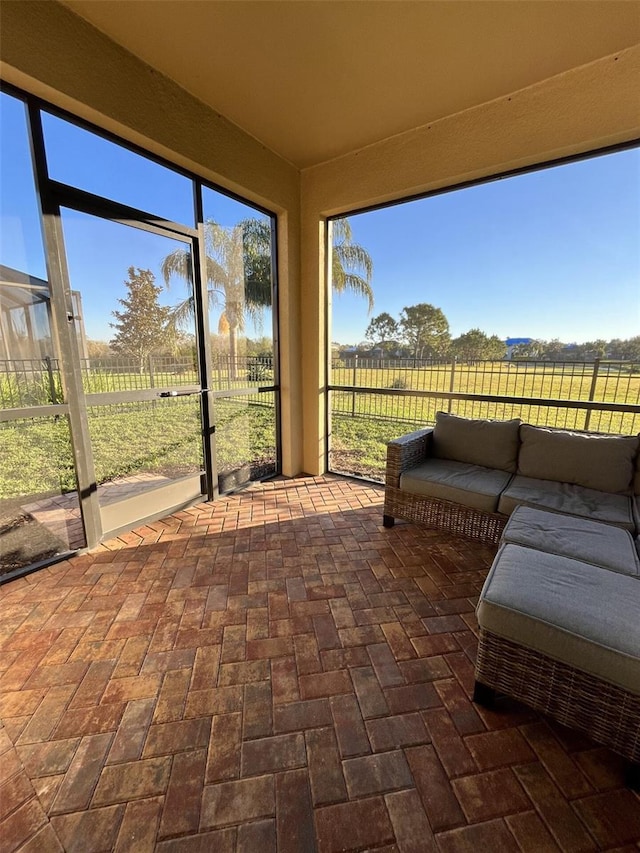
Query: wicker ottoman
{"x": 563, "y": 636}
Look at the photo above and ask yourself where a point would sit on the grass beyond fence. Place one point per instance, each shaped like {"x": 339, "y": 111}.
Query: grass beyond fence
{"x": 605, "y": 381}
{"x": 364, "y": 418}
{"x": 164, "y": 436}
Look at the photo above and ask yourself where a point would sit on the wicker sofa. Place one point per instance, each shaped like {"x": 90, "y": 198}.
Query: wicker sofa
{"x": 467, "y": 476}
{"x": 558, "y": 616}
{"x": 558, "y": 623}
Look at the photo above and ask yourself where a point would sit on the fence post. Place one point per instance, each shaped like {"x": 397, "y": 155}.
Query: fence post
{"x": 152, "y": 383}
{"x": 353, "y": 382}
{"x": 52, "y": 383}
{"x": 452, "y": 380}
{"x": 592, "y": 391}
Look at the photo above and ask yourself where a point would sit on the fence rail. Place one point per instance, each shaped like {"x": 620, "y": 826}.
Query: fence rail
{"x": 576, "y": 380}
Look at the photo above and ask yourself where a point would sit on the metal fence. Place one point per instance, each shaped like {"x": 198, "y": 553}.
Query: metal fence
{"x": 37, "y": 382}
{"x": 598, "y": 395}
{"x": 602, "y": 396}
{"x": 30, "y": 382}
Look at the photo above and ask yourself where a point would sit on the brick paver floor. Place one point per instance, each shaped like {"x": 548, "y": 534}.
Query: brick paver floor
{"x": 278, "y": 672}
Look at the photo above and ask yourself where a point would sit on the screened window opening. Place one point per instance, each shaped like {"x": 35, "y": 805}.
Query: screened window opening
{"x": 90, "y": 162}
{"x": 501, "y": 299}
{"x": 143, "y": 375}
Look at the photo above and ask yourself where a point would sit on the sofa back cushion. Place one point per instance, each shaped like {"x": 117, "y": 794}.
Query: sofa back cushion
{"x": 636, "y": 478}
{"x": 492, "y": 444}
{"x": 603, "y": 462}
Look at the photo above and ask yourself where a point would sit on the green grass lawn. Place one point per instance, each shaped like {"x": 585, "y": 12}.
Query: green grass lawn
{"x": 363, "y": 423}
{"x": 617, "y": 382}
{"x": 164, "y": 436}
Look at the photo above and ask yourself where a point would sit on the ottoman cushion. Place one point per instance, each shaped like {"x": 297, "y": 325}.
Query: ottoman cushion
{"x": 575, "y": 612}
{"x": 578, "y": 538}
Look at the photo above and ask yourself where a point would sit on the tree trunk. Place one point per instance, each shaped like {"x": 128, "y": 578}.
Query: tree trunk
{"x": 233, "y": 352}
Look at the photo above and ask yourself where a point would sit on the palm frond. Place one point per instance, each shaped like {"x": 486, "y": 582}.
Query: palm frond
{"x": 353, "y": 257}
{"x": 177, "y": 263}
{"x": 342, "y": 232}
{"x": 215, "y": 273}
{"x": 181, "y": 316}
{"x": 356, "y": 284}
{"x": 351, "y": 264}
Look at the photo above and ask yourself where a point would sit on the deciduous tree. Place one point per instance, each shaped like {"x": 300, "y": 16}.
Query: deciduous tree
{"x": 382, "y": 330}
{"x": 476, "y": 345}
{"x": 425, "y": 330}
{"x": 143, "y": 325}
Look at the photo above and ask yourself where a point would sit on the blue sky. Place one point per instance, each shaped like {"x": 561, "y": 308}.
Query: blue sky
{"x": 99, "y": 252}
{"x": 553, "y": 253}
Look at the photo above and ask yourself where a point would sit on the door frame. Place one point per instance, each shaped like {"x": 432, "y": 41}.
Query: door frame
{"x": 107, "y": 521}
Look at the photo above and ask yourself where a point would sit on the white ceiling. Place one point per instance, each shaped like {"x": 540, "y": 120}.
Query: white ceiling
{"x": 314, "y": 79}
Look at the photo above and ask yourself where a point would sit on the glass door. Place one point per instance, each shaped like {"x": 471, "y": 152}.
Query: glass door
{"x": 134, "y": 324}
{"x": 239, "y": 247}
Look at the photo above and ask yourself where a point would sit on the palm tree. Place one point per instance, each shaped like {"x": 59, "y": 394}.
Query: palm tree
{"x": 237, "y": 272}
{"x": 351, "y": 265}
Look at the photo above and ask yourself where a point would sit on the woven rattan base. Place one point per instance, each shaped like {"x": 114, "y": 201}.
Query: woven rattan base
{"x": 608, "y": 714}
{"x": 444, "y": 515}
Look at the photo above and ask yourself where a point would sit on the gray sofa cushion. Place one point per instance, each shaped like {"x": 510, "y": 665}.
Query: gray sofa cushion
{"x": 490, "y": 444}
{"x": 578, "y": 538}
{"x": 595, "y": 628}
{"x": 567, "y": 498}
{"x": 600, "y": 462}
{"x": 447, "y": 479}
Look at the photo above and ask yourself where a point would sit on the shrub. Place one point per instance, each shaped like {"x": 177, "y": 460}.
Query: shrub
{"x": 399, "y": 383}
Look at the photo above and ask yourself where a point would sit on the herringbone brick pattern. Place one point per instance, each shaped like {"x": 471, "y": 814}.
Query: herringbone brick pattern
{"x": 278, "y": 672}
